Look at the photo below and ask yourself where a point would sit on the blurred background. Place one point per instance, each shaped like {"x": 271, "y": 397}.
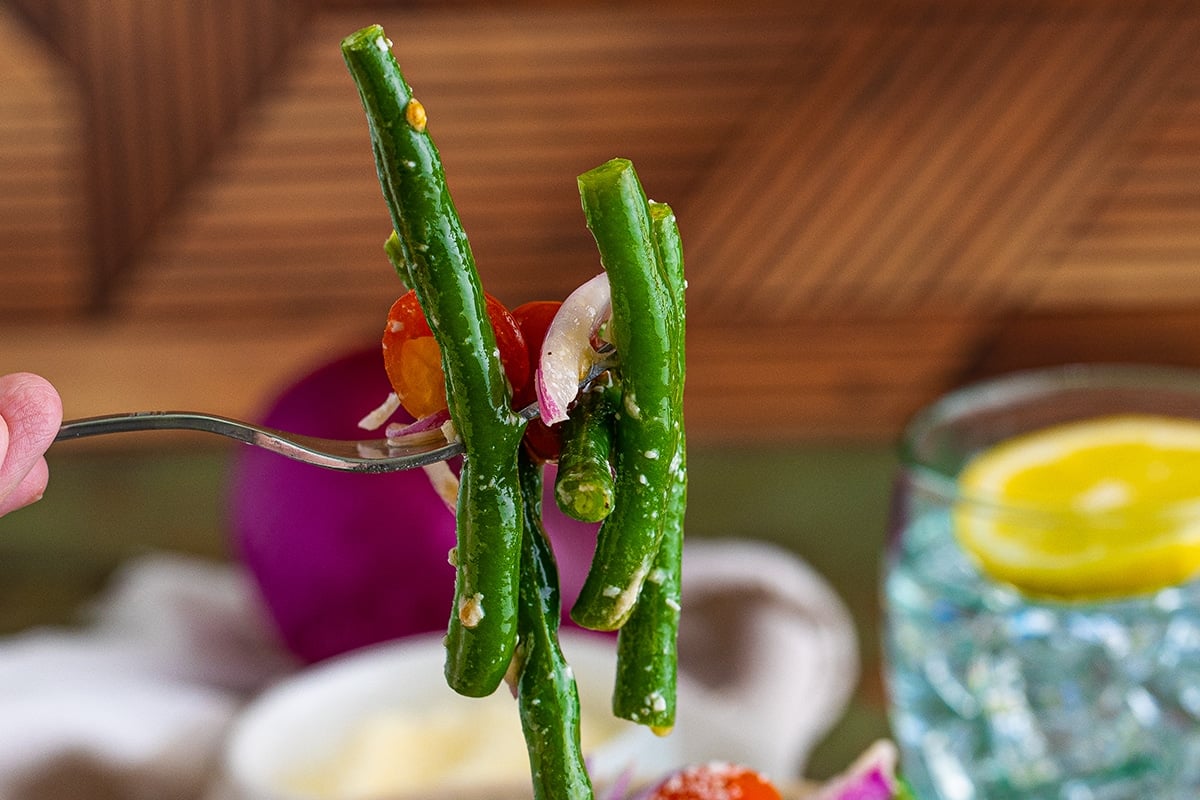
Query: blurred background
{"x": 879, "y": 201}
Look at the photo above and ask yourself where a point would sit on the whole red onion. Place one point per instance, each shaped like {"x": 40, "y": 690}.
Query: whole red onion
{"x": 344, "y": 560}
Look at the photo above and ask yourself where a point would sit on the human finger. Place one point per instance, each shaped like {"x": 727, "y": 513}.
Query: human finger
{"x": 31, "y": 413}
{"x": 29, "y": 490}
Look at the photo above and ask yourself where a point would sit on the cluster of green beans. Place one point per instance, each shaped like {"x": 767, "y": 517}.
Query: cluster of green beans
{"x": 623, "y": 458}
{"x": 634, "y": 582}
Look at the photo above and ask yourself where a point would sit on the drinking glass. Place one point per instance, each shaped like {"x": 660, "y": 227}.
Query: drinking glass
{"x": 996, "y": 694}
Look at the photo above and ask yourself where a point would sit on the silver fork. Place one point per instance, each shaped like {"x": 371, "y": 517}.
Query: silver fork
{"x": 350, "y": 455}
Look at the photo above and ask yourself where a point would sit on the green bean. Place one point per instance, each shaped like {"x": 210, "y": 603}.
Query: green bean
{"x": 668, "y": 249}
{"x": 394, "y": 249}
{"x": 646, "y": 437}
{"x": 547, "y": 696}
{"x": 434, "y": 249}
{"x": 644, "y": 689}
{"x": 646, "y": 646}
{"x": 583, "y": 486}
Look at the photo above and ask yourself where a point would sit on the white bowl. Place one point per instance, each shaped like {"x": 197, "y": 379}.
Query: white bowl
{"x": 382, "y": 723}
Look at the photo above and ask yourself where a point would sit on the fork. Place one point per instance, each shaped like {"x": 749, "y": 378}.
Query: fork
{"x": 347, "y": 455}
{"x": 351, "y": 455}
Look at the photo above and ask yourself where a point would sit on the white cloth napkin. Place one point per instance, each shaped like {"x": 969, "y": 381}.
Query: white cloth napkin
{"x": 137, "y": 703}
{"x": 768, "y": 657}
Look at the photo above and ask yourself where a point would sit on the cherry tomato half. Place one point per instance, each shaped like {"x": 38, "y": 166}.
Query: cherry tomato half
{"x": 715, "y": 781}
{"x": 544, "y": 442}
{"x": 414, "y": 362}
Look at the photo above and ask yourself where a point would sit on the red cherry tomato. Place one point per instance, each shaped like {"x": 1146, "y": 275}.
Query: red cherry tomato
{"x": 544, "y": 442}
{"x": 414, "y": 363}
{"x": 534, "y": 320}
{"x": 715, "y": 781}
{"x": 514, "y": 352}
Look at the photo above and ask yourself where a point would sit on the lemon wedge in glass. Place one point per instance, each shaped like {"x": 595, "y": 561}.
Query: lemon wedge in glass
{"x": 1101, "y": 508}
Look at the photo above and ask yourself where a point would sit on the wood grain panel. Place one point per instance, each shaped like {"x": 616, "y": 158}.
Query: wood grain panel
{"x": 1163, "y": 336}
{"x": 966, "y": 145}
{"x": 152, "y": 107}
{"x": 818, "y": 380}
{"x": 1138, "y": 245}
{"x": 512, "y": 145}
{"x": 878, "y": 199}
{"x": 40, "y": 249}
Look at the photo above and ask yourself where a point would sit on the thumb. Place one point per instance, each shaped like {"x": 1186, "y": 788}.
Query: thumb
{"x": 30, "y": 415}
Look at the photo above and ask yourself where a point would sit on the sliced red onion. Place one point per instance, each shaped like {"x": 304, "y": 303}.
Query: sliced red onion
{"x": 619, "y": 789}
{"x": 567, "y": 352}
{"x": 400, "y": 430}
{"x": 434, "y": 436}
{"x": 871, "y": 777}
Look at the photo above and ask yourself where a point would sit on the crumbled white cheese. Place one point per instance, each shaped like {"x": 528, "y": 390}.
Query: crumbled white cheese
{"x": 448, "y": 746}
{"x": 631, "y": 406}
{"x": 629, "y": 595}
{"x": 470, "y": 610}
{"x": 444, "y": 482}
{"x": 375, "y": 419}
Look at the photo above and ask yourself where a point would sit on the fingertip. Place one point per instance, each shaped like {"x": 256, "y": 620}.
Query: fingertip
{"x": 32, "y": 408}
{"x": 29, "y": 489}
{"x": 30, "y": 416}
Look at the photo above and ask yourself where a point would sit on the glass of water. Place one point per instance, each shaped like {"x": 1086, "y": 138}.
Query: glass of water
{"x": 1005, "y": 689}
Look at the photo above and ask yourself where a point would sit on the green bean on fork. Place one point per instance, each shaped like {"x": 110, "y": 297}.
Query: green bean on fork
{"x": 546, "y": 692}
{"x": 646, "y": 436}
{"x": 431, "y": 244}
{"x": 583, "y": 486}
{"x": 645, "y": 685}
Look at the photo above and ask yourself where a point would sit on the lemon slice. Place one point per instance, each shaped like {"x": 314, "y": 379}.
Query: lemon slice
{"x": 1106, "y": 507}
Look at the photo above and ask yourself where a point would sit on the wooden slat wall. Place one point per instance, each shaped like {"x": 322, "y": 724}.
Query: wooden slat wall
{"x": 878, "y": 199}
{"x": 930, "y": 167}
{"x": 157, "y": 85}
{"x": 1164, "y": 335}
{"x": 819, "y": 380}
{"x": 40, "y": 129}
{"x": 295, "y": 210}
{"x": 1140, "y": 239}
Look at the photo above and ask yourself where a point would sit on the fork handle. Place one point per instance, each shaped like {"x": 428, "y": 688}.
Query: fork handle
{"x": 155, "y": 421}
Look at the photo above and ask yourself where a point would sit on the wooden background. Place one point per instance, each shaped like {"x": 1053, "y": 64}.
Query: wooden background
{"x": 879, "y": 200}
